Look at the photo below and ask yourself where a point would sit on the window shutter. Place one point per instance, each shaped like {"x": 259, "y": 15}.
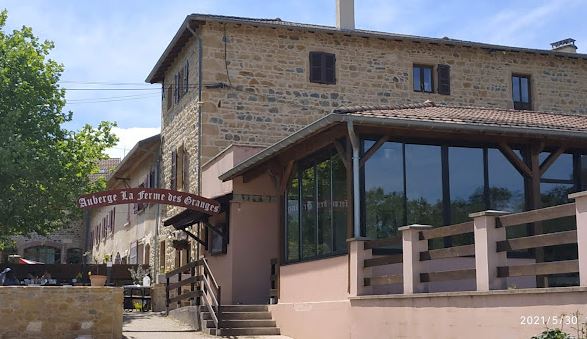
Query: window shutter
{"x": 169, "y": 96}
{"x": 315, "y": 66}
{"x": 173, "y": 185}
{"x": 186, "y": 74}
{"x": 163, "y": 90}
{"x": 113, "y": 218}
{"x": 329, "y": 68}
{"x": 444, "y": 79}
{"x": 185, "y": 170}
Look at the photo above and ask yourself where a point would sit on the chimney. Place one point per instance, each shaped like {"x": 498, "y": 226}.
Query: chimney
{"x": 345, "y": 14}
{"x": 565, "y": 46}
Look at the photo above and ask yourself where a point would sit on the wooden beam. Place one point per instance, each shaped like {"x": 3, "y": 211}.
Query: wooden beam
{"x": 541, "y": 240}
{"x": 448, "y": 275}
{"x": 515, "y": 160}
{"x": 449, "y": 252}
{"x": 550, "y": 160}
{"x": 547, "y": 213}
{"x": 286, "y": 175}
{"x": 341, "y": 152}
{"x": 384, "y": 280}
{"x": 386, "y": 260}
{"x": 539, "y": 269}
{"x": 373, "y": 149}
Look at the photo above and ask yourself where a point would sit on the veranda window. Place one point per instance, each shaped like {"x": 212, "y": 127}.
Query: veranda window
{"x": 316, "y": 208}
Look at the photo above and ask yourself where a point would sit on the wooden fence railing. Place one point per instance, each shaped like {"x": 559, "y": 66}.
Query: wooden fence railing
{"x": 447, "y": 252}
{"x": 186, "y": 275}
{"x": 485, "y": 259}
{"x": 537, "y": 241}
{"x": 375, "y": 279}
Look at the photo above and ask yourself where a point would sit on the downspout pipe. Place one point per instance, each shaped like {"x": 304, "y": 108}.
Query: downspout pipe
{"x": 356, "y": 171}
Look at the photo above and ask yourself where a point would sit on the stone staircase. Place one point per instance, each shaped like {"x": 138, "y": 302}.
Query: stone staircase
{"x": 240, "y": 320}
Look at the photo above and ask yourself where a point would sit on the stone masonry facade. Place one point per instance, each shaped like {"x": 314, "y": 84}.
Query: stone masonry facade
{"x": 51, "y": 312}
{"x": 256, "y": 88}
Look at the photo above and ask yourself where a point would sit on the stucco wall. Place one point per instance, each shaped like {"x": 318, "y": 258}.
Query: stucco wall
{"x": 481, "y": 315}
{"x": 318, "y": 280}
{"x": 60, "y": 312}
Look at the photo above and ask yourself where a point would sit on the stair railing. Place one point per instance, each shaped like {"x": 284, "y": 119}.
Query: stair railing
{"x": 212, "y": 294}
{"x": 182, "y": 280}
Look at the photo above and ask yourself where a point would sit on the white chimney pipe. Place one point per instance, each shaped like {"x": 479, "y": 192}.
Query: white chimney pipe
{"x": 345, "y": 14}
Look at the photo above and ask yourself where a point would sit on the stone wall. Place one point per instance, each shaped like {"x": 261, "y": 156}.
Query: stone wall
{"x": 60, "y": 312}
{"x": 271, "y": 95}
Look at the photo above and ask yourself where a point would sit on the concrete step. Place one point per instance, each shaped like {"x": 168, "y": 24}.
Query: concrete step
{"x": 242, "y": 323}
{"x": 239, "y": 315}
{"x": 245, "y": 308}
{"x": 245, "y": 331}
{"x": 239, "y": 308}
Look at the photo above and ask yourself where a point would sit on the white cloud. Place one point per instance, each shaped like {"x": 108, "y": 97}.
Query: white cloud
{"x": 128, "y": 139}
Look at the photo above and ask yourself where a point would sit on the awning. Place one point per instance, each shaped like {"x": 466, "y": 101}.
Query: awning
{"x": 28, "y": 262}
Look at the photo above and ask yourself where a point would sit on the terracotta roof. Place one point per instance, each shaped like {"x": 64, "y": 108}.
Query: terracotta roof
{"x": 432, "y": 116}
{"x": 482, "y": 116}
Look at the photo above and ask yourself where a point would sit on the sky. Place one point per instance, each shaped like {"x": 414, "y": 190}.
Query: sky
{"x": 108, "y": 47}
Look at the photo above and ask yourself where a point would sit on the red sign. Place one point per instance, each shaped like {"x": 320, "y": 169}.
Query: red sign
{"x": 149, "y": 196}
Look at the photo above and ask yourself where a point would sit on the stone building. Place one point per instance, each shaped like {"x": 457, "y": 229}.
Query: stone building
{"x": 127, "y": 233}
{"x": 66, "y": 245}
{"x": 241, "y": 81}
{"x": 322, "y": 143}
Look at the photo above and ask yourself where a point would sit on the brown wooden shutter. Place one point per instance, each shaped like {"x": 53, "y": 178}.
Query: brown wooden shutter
{"x": 173, "y": 184}
{"x": 315, "y": 67}
{"x": 113, "y": 218}
{"x": 186, "y": 75}
{"x": 185, "y": 170}
{"x": 169, "y": 96}
{"x": 329, "y": 68}
{"x": 444, "y": 79}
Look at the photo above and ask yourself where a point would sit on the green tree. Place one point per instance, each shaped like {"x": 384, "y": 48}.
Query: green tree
{"x": 43, "y": 166}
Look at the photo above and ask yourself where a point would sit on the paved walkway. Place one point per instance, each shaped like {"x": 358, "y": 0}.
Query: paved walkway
{"x": 152, "y": 325}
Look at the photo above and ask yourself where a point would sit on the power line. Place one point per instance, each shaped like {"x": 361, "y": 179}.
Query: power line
{"x": 114, "y": 97}
{"x": 111, "y": 89}
{"x": 105, "y": 83}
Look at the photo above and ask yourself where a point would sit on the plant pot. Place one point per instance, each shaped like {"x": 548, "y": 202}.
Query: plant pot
{"x": 98, "y": 280}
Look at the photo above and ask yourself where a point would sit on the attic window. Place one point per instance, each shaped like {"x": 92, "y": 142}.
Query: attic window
{"x": 322, "y": 68}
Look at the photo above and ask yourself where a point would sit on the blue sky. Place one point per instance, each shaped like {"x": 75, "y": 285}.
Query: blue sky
{"x": 117, "y": 42}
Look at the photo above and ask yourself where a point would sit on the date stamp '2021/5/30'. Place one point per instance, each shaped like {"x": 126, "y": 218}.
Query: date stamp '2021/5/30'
{"x": 553, "y": 320}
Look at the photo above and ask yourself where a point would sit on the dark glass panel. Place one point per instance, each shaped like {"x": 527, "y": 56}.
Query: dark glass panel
{"x": 324, "y": 207}
{"x": 466, "y": 183}
{"x": 524, "y": 90}
{"x": 516, "y": 88}
{"x": 339, "y": 203}
{"x": 562, "y": 168}
{"x": 416, "y": 77}
{"x": 308, "y": 213}
{"x": 427, "y": 79}
{"x": 384, "y": 190}
{"x": 506, "y": 184}
{"x": 293, "y": 220}
{"x": 424, "y": 184}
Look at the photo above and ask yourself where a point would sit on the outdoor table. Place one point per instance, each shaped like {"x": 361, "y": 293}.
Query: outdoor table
{"x": 134, "y": 292}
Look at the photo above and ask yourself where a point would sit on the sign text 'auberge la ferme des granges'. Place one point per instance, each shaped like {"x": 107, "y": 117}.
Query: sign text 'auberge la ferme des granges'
{"x": 149, "y": 196}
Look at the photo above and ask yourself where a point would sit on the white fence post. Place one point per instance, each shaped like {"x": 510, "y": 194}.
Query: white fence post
{"x": 412, "y": 266}
{"x": 487, "y": 259}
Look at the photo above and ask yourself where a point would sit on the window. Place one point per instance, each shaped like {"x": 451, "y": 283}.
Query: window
{"x": 322, "y": 68}
{"x": 521, "y": 92}
{"x": 44, "y": 254}
{"x": 74, "y": 256}
{"x": 179, "y": 170}
{"x": 218, "y": 243}
{"x": 162, "y": 256}
{"x": 423, "y": 79}
{"x": 316, "y": 208}
{"x": 435, "y": 185}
